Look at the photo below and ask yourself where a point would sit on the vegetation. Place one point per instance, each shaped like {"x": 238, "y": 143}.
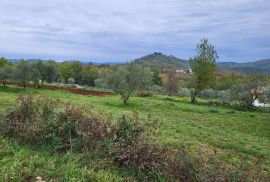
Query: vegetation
{"x": 161, "y": 61}
{"x": 203, "y": 67}
{"x": 126, "y": 79}
{"x": 68, "y": 125}
{"x": 171, "y": 82}
{"x": 215, "y": 146}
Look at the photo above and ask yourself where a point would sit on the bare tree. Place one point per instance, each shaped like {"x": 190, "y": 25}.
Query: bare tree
{"x": 171, "y": 82}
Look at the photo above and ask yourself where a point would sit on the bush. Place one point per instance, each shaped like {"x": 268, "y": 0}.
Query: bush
{"x": 133, "y": 150}
{"x": 156, "y": 89}
{"x": 26, "y": 121}
{"x": 71, "y": 81}
{"x": 184, "y": 92}
{"x": 225, "y": 95}
{"x": 209, "y": 94}
{"x": 130, "y": 142}
{"x": 35, "y": 121}
{"x": 266, "y": 96}
{"x": 144, "y": 93}
{"x": 100, "y": 84}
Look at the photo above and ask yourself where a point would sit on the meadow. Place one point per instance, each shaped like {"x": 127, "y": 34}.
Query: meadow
{"x": 217, "y": 135}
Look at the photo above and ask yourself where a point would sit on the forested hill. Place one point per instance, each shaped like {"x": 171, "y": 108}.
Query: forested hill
{"x": 261, "y": 66}
{"x": 162, "y": 61}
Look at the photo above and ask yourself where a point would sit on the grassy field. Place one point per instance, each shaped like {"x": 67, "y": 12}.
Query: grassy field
{"x": 238, "y": 139}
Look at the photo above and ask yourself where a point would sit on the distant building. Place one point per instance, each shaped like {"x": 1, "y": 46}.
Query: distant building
{"x": 185, "y": 71}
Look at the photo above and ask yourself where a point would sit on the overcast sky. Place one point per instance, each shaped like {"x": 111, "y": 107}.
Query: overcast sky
{"x": 121, "y": 30}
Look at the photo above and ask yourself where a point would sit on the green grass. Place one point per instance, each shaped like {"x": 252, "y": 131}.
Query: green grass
{"x": 231, "y": 136}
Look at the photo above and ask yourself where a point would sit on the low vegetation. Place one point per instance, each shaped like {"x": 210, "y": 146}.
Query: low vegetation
{"x": 130, "y": 145}
{"x": 54, "y": 127}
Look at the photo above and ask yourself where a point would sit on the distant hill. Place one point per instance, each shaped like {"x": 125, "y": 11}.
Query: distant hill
{"x": 261, "y": 66}
{"x": 162, "y": 61}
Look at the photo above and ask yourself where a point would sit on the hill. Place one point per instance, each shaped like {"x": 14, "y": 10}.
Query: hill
{"x": 162, "y": 61}
{"x": 261, "y": 66}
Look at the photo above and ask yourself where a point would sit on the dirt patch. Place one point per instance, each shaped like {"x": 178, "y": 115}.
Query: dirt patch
{"x": 70, "y": 89}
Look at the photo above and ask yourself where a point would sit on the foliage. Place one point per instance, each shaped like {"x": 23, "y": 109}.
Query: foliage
{"x": 171, "y": 82}
{"x": 226, "y": 80}
{"x": 250, "y": 89}
{"x": 161, "y": 61}
{"x": 209, "y": 94}
{"x": 203, "y": 67}
{"x": 265, "y": 98}
{"x": 76, "y": 69}
{"x": 65, "y": 71}
{"x": 23, "y": 73}
{"x": 157, "y": 80}
{"x": 51, "y": 71}
{"x": 89, "y": 75}
{"x": 184, "y": 92}
{"x": 6, "y": 73}
{"x": 156, "y": 89}
{"x": 126, "y": 79}
{"x": 181, "y": 123}
{"x": 35, "y": 121}
{"x": 4, "y": 62}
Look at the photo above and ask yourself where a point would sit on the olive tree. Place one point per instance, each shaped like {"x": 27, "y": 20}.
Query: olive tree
{"x": 250, "y": 89}
{"x": 126, "y": 79}
{"x": 203, "y": 67}
{"x": 5, "y": 74}
{"x": 23, "y": 73}
{"x": 65, "y": 71}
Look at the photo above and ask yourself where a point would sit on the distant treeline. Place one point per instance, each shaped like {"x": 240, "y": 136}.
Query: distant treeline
{"x": 38, "y": 72}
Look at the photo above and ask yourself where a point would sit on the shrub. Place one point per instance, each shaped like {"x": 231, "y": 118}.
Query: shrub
{"x": 266, "y": 96}
{"x": 144, "y": 93}
{"x": 225, "y": 95}
{"x": 156, "y": 89}
{"x": 35, "y": 121}
{"x": 133, "y": 150}
{"x": 184, "y": 92}
{"x": 130, "y": 142}
{"x": 209, "y": 94}
{"x": 25, "y": 121}
{"x": 87, "y": 132}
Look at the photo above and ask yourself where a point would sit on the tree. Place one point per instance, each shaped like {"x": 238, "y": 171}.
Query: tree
{"x": 76, "y": 68}
{"x": 51, "y": 71}
{"x": 250, "y": 89}
{"x": 157, "y": 80}
{"x": 3, "y": 62}
{"x": 23, "y": 73}
{"x": 5, "y": 74}
{"x": 65, "y": 71}
{"x": 203, "y": 67}
{"x": 89, "y": 75}
{"x": 126, "y": 79}
{"x": 39, "y": 72}
{"x": 226, "y": 80}
{"x": 171, "y": 82}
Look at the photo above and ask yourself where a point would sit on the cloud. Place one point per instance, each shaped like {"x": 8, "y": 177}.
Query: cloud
{"x": 126, "y": 29}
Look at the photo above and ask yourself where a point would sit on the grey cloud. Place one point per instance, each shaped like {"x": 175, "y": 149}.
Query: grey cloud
{"x": 126, "y": 29}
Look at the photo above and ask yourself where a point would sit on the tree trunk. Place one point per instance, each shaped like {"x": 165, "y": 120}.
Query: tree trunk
{"x": 4, "y": 83}
{"x": 193, "y": 96}
{"x": 125, "y": 99}
{"x": 170, "y": 92}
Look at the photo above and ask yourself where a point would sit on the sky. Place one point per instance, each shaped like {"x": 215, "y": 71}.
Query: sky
{"x": 122, "y": 30}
